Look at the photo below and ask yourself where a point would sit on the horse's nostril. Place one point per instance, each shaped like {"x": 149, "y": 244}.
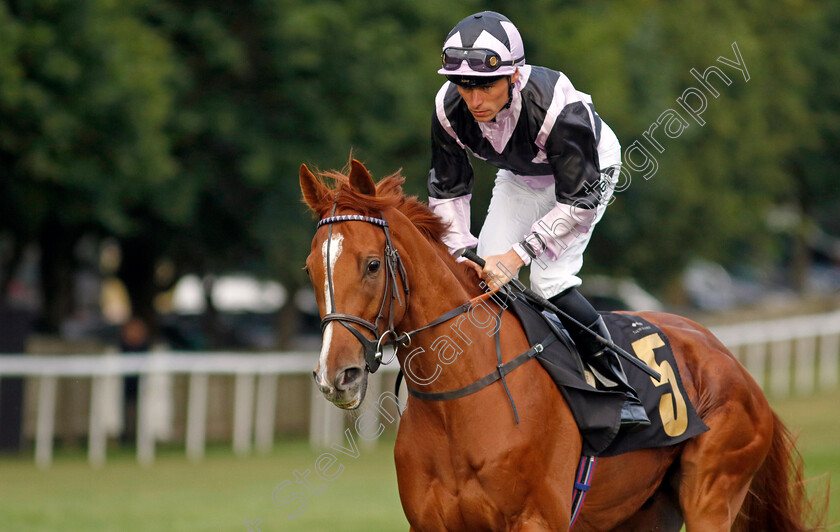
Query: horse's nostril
{"x": 322, "y": 383}
{"x": 352, "y": 375}
{"x": 348, "y": 378}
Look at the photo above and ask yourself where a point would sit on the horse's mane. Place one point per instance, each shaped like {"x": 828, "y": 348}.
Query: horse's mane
{"x": 389, "y": 194}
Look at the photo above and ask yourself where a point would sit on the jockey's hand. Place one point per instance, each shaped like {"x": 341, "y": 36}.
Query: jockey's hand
{"x": 501, "y": 269}
{"x": 475, "y": 267}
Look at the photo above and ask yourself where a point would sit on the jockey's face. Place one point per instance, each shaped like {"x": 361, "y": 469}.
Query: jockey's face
{"x": 485, "y": 102}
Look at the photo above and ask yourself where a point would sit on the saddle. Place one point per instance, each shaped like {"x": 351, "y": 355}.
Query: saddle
{"x": 597, "y": 411}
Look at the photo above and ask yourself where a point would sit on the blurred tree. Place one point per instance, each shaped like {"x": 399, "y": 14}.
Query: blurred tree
{"x": 178, "y": 126}
{"x": 816, "y": 167}
{"x": 349, "y": 76}
{"x": 220, "y": 140}
{"x": 715, "y": 183}
{"x": 84, "y": 100}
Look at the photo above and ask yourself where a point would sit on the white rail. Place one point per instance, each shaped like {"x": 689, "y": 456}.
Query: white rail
{"x": 255, "y": 396}
{"x": 798, "y": 354}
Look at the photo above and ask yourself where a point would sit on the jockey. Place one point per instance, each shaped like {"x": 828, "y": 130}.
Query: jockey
{"x": 558, "y": 164}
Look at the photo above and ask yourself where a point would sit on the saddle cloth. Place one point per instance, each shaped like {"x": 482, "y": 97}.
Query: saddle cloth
{"x": 597, "y": 412}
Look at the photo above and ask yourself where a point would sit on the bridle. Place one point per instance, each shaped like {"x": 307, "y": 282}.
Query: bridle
{"x": 393, "y": 266}
{"x": 373, "y": 348}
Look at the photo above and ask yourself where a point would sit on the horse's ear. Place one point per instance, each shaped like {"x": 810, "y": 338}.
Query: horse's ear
{"x": 360, "y": 179}
{"x": 315, "y": 193}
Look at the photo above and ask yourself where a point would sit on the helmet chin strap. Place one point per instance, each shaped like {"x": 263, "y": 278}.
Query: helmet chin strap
{"x": 510, "y": 93}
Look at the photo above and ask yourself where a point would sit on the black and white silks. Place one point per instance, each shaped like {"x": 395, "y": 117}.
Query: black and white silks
{"x": 550, "y": 135}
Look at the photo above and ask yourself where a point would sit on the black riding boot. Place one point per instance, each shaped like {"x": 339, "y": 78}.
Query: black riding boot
{"x": 603, "y": 361}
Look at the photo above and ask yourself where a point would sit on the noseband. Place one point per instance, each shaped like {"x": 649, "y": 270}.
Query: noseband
{"x": 393, "y": 266}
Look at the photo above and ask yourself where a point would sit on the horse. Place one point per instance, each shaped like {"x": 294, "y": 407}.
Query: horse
{"x": 467, "y": 464}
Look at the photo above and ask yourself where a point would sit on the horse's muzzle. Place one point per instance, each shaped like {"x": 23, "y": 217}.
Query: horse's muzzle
{"x": 347, "y": 389}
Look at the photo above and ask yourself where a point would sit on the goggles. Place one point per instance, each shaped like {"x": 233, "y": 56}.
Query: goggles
{"x": 478, "y": 59}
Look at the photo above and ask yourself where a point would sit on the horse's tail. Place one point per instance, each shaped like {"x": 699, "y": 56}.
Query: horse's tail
{"x": 777, "y": 499}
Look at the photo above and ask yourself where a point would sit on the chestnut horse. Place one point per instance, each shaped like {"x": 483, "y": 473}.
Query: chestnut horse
{"x": 465, "y": 464}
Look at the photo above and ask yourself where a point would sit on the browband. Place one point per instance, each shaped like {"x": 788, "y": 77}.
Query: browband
{"x": 353, "y": 218}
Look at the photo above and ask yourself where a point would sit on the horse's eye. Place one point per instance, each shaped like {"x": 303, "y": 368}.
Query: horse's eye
{"x": 373, "y": 266}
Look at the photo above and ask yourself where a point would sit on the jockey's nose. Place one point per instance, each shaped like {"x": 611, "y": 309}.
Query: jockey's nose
{"x": 348, "y": 378}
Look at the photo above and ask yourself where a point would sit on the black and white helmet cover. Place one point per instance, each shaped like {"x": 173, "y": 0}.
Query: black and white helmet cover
{"x": 486, "y": 31}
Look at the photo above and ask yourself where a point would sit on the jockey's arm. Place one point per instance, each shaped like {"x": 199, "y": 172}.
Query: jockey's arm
{"x": 450, "y": 185}
{"x": 571, "y": 150}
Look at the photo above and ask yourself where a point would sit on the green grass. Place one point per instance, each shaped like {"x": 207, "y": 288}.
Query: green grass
{"x": 816, "y": 421}
{"x": 219, "y": 494}
{"x": 223, "y": 491}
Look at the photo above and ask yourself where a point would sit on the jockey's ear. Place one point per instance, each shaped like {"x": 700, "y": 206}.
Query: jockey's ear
{"x": 360, "y": 179}
{"x": 515, "y": 77}
{"x": 315, "y": 193}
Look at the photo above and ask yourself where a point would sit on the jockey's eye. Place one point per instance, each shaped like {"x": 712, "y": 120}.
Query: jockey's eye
{"x": 373, "y": 266}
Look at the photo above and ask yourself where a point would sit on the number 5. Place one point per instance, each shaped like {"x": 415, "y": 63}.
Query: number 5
{"x": 672, "y": 407}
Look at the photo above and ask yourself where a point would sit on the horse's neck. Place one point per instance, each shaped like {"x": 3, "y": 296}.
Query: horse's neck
{"x": 435, "y": 287}
{"x": 459, "y": 351}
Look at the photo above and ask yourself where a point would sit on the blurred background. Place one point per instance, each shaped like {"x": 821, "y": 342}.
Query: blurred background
{"x": 149, "y": 196}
